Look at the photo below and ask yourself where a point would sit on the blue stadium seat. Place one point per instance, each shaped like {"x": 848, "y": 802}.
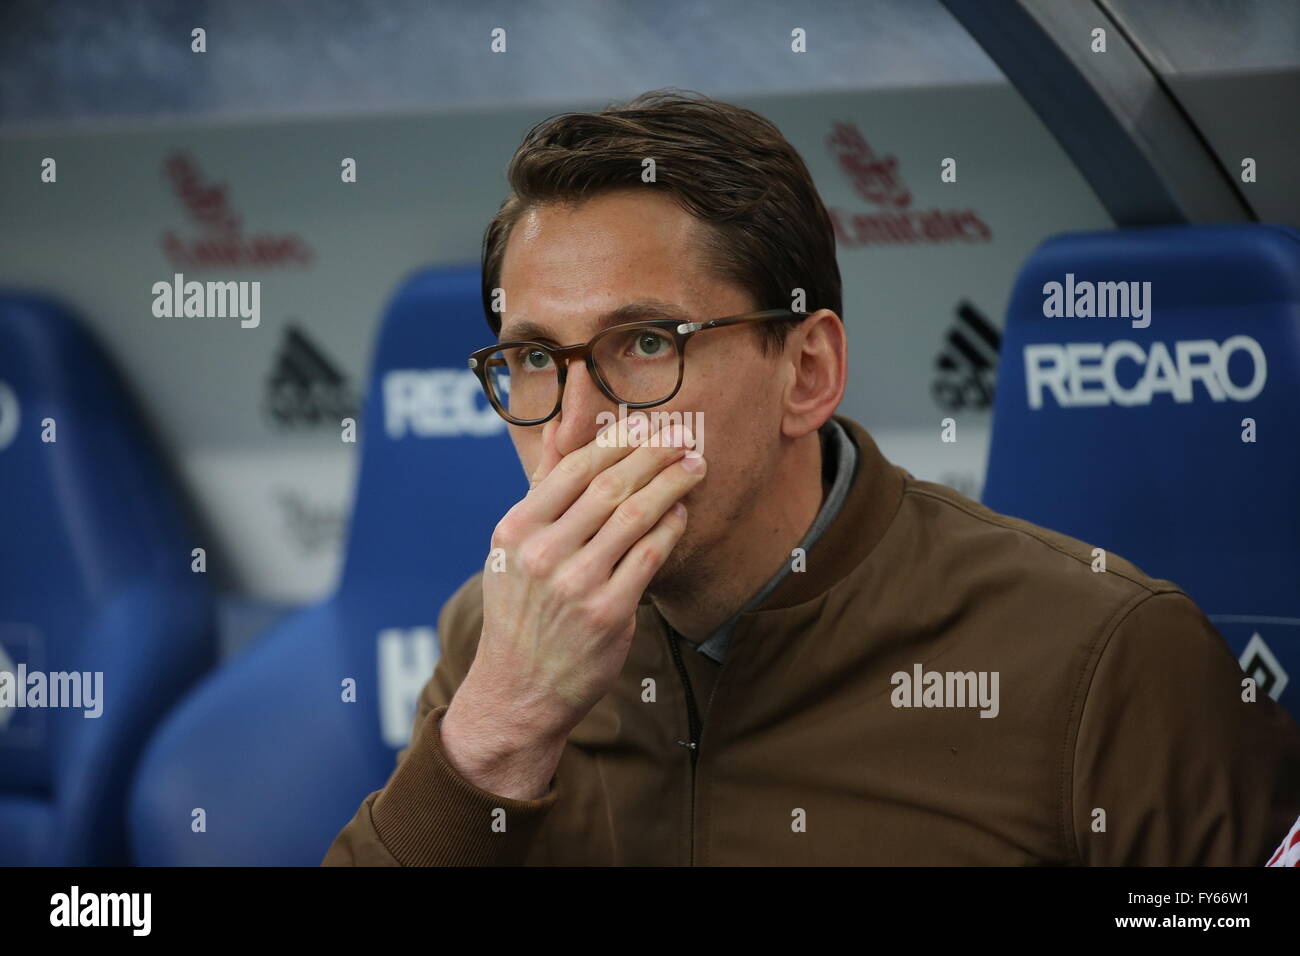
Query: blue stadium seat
{"x": 1131, "y": 438}
{"x": 268, "y": 748}
{"x": 95, "y": 579}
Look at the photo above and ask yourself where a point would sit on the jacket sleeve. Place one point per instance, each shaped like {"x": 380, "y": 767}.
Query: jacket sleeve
{"x": 428, "y": 814}
{"x": 1185, "y": 771}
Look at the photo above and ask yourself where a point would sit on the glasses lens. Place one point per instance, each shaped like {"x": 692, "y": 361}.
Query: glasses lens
{"x": 638, "y": 365}
{"x": 524, "y": 380}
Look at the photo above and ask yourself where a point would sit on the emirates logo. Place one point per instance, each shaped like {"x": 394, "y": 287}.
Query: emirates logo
{"x": 223, "y": 243}
{"x": 874, "y": 178}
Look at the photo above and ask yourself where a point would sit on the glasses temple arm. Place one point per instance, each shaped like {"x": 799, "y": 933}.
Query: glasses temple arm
{"x": 688, "y": 327}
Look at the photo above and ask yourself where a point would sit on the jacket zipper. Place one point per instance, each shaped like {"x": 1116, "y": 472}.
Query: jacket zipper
{"x": 692, "y": 722}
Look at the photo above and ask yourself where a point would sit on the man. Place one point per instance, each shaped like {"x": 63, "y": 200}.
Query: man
{"x": 763, "y": 643}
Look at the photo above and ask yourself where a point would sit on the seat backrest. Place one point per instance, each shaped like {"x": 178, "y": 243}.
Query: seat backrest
{"x": 1173, "y": 443}
{"x": 276, "y": 746}
{"x": 95, "y": 578}
{"x": 435, "y": 456}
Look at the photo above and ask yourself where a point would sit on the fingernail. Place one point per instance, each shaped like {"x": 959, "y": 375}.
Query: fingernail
{"x": 693, "y": 463}
{"x": 679, "y": 510}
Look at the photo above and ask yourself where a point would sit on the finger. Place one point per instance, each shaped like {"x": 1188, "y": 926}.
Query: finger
{"x": 550, "y": 454}
{"x": 561, "y": 485}
{"x": 618, "y": 495}
{"x": 633, "y": 575}
{"x": 634, "y": 518}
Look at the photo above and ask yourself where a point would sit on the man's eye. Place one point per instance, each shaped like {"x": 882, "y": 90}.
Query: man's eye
{"x": 536, "y": 359}
{"x": 649, "y": 344}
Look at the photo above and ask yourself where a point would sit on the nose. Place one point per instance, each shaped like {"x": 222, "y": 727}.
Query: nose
{"x": 577, "y": 421}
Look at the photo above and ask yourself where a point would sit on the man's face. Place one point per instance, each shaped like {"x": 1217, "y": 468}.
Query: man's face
{"x": 566, "y": 267}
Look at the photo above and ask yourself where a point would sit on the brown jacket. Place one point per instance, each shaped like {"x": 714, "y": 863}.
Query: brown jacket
{"x": 1119, "y": 734}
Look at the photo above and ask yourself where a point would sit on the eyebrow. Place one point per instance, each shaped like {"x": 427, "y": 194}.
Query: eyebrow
{"x": 640, "y": 310}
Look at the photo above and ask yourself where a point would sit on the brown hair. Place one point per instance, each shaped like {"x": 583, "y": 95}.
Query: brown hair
{"x": 727, "y": 166}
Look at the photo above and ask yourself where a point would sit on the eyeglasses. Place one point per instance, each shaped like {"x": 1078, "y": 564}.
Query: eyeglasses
{"x": 639, "y": 364}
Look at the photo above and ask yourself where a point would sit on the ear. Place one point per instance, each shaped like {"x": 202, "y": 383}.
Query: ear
{"x": 816, "y": 353}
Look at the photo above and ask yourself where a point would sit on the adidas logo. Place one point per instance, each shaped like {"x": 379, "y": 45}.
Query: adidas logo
{"x": 966, "y": 368}
{"x": 305, "y": 388}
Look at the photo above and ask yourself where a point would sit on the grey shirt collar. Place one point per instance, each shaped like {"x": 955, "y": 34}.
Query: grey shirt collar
{"x": 839, "y": 448}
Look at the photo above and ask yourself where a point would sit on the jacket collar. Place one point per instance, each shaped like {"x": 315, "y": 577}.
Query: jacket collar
{"x": 873, "y": 499}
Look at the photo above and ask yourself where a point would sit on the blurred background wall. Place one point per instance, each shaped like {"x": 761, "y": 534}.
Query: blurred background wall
{"x": 412, "y": 91}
